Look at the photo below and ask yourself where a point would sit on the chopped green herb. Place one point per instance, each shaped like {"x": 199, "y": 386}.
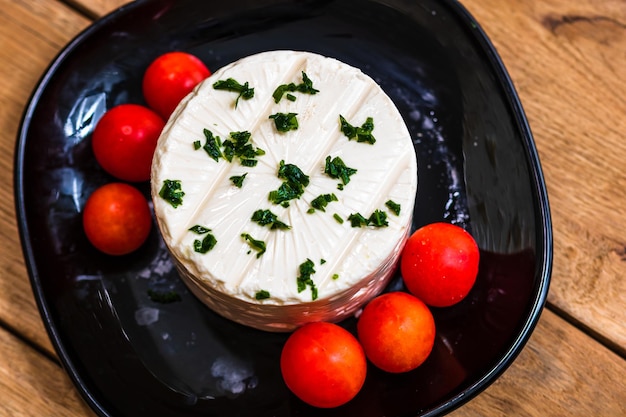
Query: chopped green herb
{"x": 322, "y": 261}
{"x": 292, "y": 187}
{"x": 238, "y": 180}
{"x": 357, "y": 220}
{"x": 172, "y": 192}
{"x": 305, "y": 87}
{"x": 164, "y": 297}
{"x": 249, "y": 162}
{"x": 361, "y": 134}
{"x": 262, "y": 295}
{"x": 238, "y": 146}
{"x": 197, "y": 145}
{"x": 292, "y": 174}
{"x": 338, "y": 218}
{"x": 257, "y": 245}
{"x": 212, "y": 145}
{"x": 378, "y": 219}
{"x": 346, "y": 128}
{"x": 228, "y": 150}
{"x": 199, "y": 230}
{"x": 335, "y": 276}
{"x": 241, "y": 137}
{"x": 284, "y": 193}
{"x": 267, "y": 218}
{"x": 206, "y": 244}
{"x": 320, "y": 202}
{"x": 281, "y": 90}
{"x": 364, "y": 133}
{"x": 304, "y": 279}
{"x": 244, "y": 90}
{"x": 336, "y": 168}
{"x": 393, "y": 206}
{"x": 285, "y": 121}
{"x": 243, "y": 149}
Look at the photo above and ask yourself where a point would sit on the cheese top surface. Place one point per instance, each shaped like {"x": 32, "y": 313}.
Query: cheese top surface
{"x": 340, "y": 255}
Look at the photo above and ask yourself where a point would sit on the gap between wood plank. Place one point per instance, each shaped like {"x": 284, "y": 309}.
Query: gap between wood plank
{"x": 30, "y": 343}
{"x": 80, "y": 9}
{"x": 595, "y": 335}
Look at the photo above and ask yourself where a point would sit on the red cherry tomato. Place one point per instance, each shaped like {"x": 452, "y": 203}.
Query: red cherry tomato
{"x": 439, "y": 264}
{"x": 397, "y": 332}
{"x": 323, "y": 364}
{"x": 124, "y": 140}
{"x": 169, "y": 78}
{"x": 117, "y": 218}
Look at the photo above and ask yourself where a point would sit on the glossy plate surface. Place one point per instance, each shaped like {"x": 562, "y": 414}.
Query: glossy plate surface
{"x": 478, "y": 167}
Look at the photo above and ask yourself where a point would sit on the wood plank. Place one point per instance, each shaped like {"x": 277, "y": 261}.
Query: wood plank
{"x": 568, "y": 70}
{"x": 561, "y": 371}
{"x": 568, "y": 62}
{"x": 45, "y": 27}
{"x": 33, "y": 385}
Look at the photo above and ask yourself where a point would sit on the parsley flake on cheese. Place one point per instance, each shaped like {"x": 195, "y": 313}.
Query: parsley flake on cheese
{"x": 267, "y": 218}
{"x": 393, "y": 206}
{"x": 306, "y": 269}
{"x": 305, "y": 87}
{"x": 361, "y": 134}
{"x": 293, "y": 186}
{"x": 238, "y": 180}
{"x": 320, "y": 202}
{"x": 285, "y": 122}
{"x": 245, "y": 91}
{"x": 336, "y": 168}
{"x": 207, "y": 243}
{"x": 172, "y": 192}
{"x": 262, "y": 295}
{"x": 255, "y": 244}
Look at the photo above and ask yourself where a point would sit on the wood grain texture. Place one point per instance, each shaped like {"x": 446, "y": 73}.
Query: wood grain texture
{"x": 568, "y": 62}
{"x": 33, "y": 385}
{"x": 31, "y": 34}
{"x": 561, "y": 372}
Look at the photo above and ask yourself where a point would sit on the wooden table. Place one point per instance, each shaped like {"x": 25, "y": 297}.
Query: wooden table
{"x": 568, "y": 62}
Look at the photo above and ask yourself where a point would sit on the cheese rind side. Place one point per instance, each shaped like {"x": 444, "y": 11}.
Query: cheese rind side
{"x": 351, "y": 264}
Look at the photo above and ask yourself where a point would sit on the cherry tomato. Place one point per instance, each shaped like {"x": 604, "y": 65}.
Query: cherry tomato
{"x": 439, "y": 264}
{"x": 124, "y": 140}
{"x": 397, "y": 332}
{"x": 117, "y": 218}
{"x": 323, "y": 364}
{"x": 169, "y": 78}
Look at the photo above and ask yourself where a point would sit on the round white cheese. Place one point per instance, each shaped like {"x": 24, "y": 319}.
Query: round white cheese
{"x": 322, "y": 267}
